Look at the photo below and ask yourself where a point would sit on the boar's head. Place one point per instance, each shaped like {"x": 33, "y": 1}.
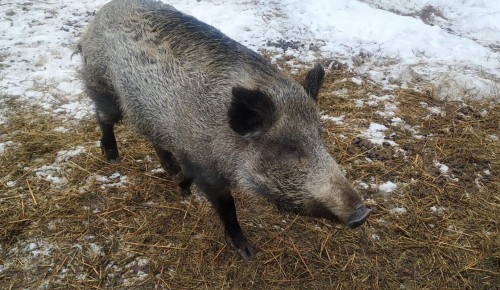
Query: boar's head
{"x": 283, "y": 156}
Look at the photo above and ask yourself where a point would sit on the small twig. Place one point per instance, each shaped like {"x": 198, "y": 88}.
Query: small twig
{"x": 31, "y": 192}
{"x": 301, "y": 258}
{"x": 155, "y": 246}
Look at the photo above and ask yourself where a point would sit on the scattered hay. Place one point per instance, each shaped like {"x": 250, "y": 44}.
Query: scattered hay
{"x": 124, "y": 225}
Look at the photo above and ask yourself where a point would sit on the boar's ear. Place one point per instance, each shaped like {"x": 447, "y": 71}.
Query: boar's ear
{"x": 251, "y": 112}
{"x": 313, "y": 82}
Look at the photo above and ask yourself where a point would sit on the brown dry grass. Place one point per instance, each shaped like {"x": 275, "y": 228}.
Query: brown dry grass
{"x": 145, "y": 235}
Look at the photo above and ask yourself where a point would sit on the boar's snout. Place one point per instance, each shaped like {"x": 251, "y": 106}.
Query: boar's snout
{"x": 361, "y": 212}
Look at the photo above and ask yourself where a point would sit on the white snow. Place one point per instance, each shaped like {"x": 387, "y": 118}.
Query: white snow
{"x": 437, "y": 209}
{"x": 388, "y": 110}
{"x": 457, "y": 51}
{"x": 375, "y": 134}
{"x": 398, "y": 210}
{"x": 39, "y": 248}
{"x": 114, "y": 180}
{"x": 337, "y": 120}
{"x": 4, "y": 145}
{"x": 96, "y": 249}
{"x": 141, "y": 262}
{"x": 61, "y": 129}
{"x": 492, "y": 138}
{"x": 49, "y": 173}
{"x": 363, "y": 185}
{"x": 65, "y": 155}
{"x": 357, "y": 81}
{"x": 3, "y": 119}
{"x": 443, "y": 168}
{"x": 435, "y": 111}
{"x": 53, "y": 172}
{"x": 359, "y": 103}
{"x": 388, "y": 186}
{"x": 157, "y": 170}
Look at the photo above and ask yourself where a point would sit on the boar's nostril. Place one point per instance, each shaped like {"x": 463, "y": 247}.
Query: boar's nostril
{"x": 361, "y": 212}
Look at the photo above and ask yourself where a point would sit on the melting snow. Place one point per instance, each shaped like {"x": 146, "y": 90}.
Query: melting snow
{"x": 52, "y": 172}
{"x": 3, "y": 120}
{"x": 65, "y": 155}
{"x": 396, "y": 121}
{"x": 388, "y": 186}
{"x": 359, "y": 103}
{"x": 436, "y": 111}
{"x": 457, "y": 52}
{"x": 61, "y": 129}
{"x": 398, "y": 210}
{"x": 442, "y": 167}
{"x": 5, "y": 145}
{"x": 39, "y": 248}
{"x": 438, "y": 210}
{"x": 375, "y": 133}
{"x": 357, "y": 81}
{"x": 114, "y": 180}
{"x": 492, "y": 138}
{"x": 49, "y": 173}
{"x": 337, "y": 120}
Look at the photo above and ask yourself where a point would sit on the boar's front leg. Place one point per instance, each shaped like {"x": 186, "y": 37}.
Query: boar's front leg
{"x": 172, "y": 167}
{"x": 223, "y": 202}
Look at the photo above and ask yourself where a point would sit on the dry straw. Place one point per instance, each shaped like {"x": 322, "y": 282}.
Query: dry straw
{"x": 91, "y": 232}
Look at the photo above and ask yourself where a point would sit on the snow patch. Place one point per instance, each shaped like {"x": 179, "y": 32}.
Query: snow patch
{"x": 39, "y": 248}
{"x": 61, "y": 129}
{"x": 388, "y": 187}
{"x": 492, "y": 138}
{"x": 158, "y": 170}
{"x": 398, "y": 210}
{"x": 50, "y": 173}
{"x": 357, "y": 81}
{"x": 337, "y": 120}
{"x": 375, "y": 134}
{"x": 114, "y": 180}
{"x": 437, "y": 210}
{"x": 3, "y": 119}
{"x": 53, "y": 171}
{"x": 4, "y": 145}
{"x": 442, "y": 167}
{"x": 65, "y": 155}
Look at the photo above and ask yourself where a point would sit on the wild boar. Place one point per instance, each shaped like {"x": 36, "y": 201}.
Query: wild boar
{"x": 217, "y": 113}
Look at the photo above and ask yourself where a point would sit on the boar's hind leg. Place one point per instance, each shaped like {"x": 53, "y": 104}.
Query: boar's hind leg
{"x": 108, "y": 114}
{"x": 172, "y": 167}
{"x": 223, "y": 201}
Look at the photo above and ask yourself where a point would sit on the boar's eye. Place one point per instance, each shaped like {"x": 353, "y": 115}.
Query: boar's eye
{"x": 292, "y": 150}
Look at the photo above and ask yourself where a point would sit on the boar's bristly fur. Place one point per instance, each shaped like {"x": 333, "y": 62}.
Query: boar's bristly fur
{"x": 218, "y": 114}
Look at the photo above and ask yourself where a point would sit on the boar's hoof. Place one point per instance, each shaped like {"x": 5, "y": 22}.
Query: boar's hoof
{"x": 246, "y": 252}
{"x": 359, "y": 216}
{"x": 113, "y": 159}
{"x": 184, "y": 191}
{"x": 184, "y": 184}
{"x": 111, "y": 155}
{"x": 244, "y": 249}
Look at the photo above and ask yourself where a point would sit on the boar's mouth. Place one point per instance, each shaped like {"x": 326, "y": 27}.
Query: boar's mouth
{"x": 315, "y": 210}
{"x": 361, "y": 212}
